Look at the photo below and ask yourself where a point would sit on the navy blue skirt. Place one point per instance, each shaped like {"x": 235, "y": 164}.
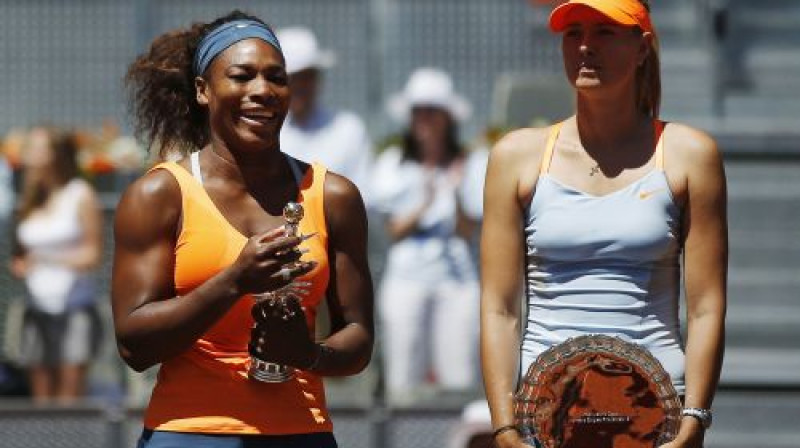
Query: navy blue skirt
{"x": 167, "y": 439}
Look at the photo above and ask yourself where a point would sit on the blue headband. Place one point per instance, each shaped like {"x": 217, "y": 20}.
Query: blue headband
{"x": 227, "y": 34}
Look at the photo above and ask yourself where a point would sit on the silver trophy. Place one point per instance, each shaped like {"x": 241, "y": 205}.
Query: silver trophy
{"x": 260, "y": 370}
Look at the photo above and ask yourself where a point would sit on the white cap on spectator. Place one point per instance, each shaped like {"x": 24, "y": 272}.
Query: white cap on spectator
{"x": 428, "y": 87}
{"x": 302, "y": 51}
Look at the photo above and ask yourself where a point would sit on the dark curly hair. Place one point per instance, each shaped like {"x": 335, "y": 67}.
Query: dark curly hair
{"x": 160, "y": 86}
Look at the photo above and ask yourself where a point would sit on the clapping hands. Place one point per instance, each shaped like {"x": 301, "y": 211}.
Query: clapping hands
{"x": 281, "y": 334}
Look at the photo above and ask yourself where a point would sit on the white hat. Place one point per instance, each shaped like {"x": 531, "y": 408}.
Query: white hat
{"x": 428, "y": 87}
{"x": 301, "y": 50}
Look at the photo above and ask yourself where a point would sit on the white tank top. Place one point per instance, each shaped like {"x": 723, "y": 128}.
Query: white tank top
{"x": 604, "y": 265}
{"x": 51, "y": 230}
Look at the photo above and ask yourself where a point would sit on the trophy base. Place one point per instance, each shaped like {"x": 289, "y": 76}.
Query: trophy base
{"x": 269, "y": 372}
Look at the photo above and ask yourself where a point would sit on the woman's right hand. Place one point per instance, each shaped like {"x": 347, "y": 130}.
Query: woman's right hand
{"x": 270, "y": 261}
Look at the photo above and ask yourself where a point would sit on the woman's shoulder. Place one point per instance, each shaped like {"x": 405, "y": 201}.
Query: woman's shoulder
{"x": 154, "y": 189}
{"x": 388, "y": 166}
{"x": 149, "y": 209}
{"x": 79, "y": 186}
{"x": 391, "y": 156}
{"x": 77, "y": 191}
{"x": 349, "y": 122}
{"x": 689, "y": 145}
{"x": 338, "y": 188}
{"x": 521, "y": 146}
{"x": 344, "y": 206}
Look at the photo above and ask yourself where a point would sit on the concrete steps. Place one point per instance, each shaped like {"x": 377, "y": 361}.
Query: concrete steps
{"x": 755, "y": 419}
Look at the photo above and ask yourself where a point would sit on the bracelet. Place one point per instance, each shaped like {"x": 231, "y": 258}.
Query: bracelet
{"x": 703, "y": 415}
{"x": 503, "y": 429}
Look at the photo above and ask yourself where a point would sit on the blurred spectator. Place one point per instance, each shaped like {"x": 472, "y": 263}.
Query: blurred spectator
{"x": 58, "y": 243}
{"x": 337, "y": 139}
{"x": 429, "y": 294}
{"x": 12, "y": 380}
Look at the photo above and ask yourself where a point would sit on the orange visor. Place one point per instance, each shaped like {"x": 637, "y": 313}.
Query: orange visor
{"x": 622, "y": 12}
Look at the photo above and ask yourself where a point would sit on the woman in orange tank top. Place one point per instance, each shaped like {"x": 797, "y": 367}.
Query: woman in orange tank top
{"x": 198, "y": 240}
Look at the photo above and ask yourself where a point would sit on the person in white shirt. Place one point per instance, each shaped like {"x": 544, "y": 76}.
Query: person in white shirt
{"x": 428, "y": 305}
{"x": 58, "y": 244}
{"x": 338, "y": 139}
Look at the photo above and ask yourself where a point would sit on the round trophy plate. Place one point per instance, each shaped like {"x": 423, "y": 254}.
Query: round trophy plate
{"x": 598, "y": 391}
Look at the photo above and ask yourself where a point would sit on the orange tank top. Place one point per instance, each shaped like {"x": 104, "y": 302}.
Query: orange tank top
{"x": 206, "y": 388}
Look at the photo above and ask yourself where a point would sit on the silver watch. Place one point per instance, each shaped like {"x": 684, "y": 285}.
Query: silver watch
{"x": 704, "y": 415}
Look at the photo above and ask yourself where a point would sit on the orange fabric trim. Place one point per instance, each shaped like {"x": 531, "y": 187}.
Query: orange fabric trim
{"x": 547, "y": 157}
{"x": 659, "y": 126}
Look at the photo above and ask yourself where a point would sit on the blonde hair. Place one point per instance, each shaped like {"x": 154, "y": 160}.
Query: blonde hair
{"x": 648, "y": 77}
{"x": 648, "y": 82}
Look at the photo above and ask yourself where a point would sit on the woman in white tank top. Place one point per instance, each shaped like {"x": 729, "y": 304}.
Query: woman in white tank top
{"x": 58, "y": 236}
{"x": 428, "y": 300}
{"x": 596, "y": 212}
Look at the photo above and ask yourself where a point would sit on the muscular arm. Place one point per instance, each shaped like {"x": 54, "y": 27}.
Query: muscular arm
{"x": 705, "y": 269}
{"x": 350, "y": 293}
{"x": 502, "y": 261}
{"x": 153, "y": 324}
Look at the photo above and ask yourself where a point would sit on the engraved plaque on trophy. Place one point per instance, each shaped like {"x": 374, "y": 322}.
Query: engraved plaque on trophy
{"x": 260, "y": 370}
{"x": 597, "y": 391}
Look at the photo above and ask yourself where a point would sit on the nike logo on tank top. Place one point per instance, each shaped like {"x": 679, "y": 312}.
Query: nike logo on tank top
{"x": 604, "y": 264}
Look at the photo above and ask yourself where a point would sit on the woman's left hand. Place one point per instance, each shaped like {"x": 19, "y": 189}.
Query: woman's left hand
{"x": 687, "y": 439}
{"x": 281, "y": 334}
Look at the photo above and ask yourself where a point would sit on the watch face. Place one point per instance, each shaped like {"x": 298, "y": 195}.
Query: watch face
{"x": 598, "y": 391}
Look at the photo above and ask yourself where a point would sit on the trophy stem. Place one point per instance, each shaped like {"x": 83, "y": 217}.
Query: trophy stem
{"x": 270, "y": 372}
